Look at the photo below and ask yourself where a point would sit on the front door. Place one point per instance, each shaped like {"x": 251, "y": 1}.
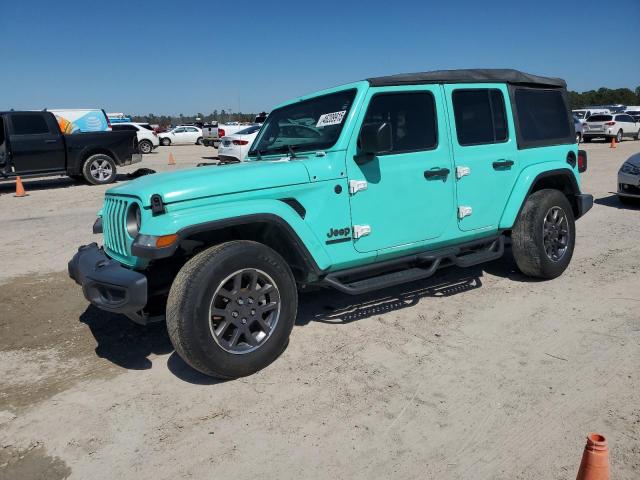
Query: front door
{"x": 409, "y": 190}
{"x": 36, "y": 143}
{"x": 484, "y": 152}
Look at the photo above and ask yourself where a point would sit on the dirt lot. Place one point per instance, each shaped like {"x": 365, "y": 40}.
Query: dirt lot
{"x": 477, "y": 373}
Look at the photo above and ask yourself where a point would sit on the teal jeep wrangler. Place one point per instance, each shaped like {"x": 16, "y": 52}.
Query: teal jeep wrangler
{"x": 356, "y": 188}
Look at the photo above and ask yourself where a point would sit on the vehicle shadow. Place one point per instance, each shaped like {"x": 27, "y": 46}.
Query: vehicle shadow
{"x": 52, "y": 183}
{"x": 614, "y": 201}
{"x": 130, "y": 345}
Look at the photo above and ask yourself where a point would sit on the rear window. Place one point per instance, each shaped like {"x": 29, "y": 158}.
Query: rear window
{"x": 600, "y": 118}
{"x": 542, "y": 117}
{"x": 249, "y": 131}
{"x": 29, "y": 124}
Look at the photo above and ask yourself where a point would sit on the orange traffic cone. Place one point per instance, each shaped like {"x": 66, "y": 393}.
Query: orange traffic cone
{"x": 595, "y": 459}
{"x": 172, "y": 161}
{"x": 19, "y": 188}
{"x": 613, "y": 142}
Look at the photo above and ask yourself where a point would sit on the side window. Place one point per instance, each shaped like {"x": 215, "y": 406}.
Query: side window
{"x": 412, "y": 117}
{"x": 480, "y": 116}
{"x": 542, "y": 117}
{"x": 27, "y": 124}
{"x": 178, "y": 130}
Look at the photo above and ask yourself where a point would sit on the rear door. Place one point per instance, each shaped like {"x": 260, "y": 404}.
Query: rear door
{"x": 409, "y": 190}
{"x": 484, "y": 152}
{"x": 36, "y": 143}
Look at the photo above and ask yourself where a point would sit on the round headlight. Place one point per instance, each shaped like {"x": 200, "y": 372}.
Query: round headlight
{"x": 134, "y": 219}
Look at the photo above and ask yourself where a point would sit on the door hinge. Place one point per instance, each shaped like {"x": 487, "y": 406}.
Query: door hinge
{"x": 357, "y": 186}
{"x": 361, "y": 230}
{"x": 462, "y": 172}
{"x": 464, "y": 212}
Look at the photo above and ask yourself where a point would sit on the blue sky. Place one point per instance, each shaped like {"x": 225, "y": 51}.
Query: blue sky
{"x": 185, "y": 57}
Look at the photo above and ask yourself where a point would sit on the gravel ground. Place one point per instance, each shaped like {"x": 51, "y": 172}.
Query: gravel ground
{"x": 477, "y": 373}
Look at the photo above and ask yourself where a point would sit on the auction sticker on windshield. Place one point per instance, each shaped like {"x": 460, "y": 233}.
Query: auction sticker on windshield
{"x": 327, "y": 119}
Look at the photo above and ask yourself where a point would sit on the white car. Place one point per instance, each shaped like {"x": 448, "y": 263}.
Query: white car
{"x": 584, "y": 113}
{"x": 629, "y": 180}
{"x": 234, "y": 148}
{"x": 147, "y": 138}
{"x": 618, "y": 126}
{"x": 181, "y": 135}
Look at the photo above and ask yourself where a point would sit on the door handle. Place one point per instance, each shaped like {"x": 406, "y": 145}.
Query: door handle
{"x": 436, "y": 173}
{"x": 503, "y": 164}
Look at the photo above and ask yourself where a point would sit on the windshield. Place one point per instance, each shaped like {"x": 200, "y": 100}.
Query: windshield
{"x": 249, "y": 131}
{"x": 313, "y": 124}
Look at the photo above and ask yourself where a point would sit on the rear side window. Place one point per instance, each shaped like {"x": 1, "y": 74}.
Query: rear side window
{"x": 480, "y": 116}
{"x": 412, "y": 117}
{"x": 29, "y": 124}
{"x": 543, "y": 117}
{"x": 116, "y": 127}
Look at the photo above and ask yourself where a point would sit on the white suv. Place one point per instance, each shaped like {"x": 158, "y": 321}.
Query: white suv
{"x": 147, "y": 138}
{"x": 616, "y": 126}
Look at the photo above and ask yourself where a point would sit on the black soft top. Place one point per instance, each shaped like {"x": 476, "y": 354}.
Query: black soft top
{"x": 481, "y": 75}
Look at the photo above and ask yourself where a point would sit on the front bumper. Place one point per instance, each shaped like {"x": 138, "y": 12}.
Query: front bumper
{"x": 628, "y": 184}
{"x": 584, "y": 202}
{"x": 106, "y": 283}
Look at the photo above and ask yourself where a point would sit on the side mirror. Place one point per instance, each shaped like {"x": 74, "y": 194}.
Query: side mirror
{"x": 375, "y": 138}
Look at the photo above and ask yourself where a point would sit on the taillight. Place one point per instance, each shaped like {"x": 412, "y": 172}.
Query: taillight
{"x": 220, "y": 132}
{"x": 240, "y": 142}
{"x": 582, "y": 161}
{"x": 610, "y": 123}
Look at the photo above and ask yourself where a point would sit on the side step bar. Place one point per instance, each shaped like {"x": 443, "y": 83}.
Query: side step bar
{"x": 355, "y": 281}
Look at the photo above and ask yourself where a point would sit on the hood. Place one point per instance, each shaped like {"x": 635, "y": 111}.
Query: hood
{"x": 634, "y": 160}
{"x": 214, "y": 180}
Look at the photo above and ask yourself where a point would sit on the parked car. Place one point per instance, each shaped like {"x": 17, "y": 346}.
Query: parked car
{"x": 577, "y": 125}
{"x": 31, "y": 144}
{"x": 181, "y": 135}
{"x": 210, "y": 135}
{"x": 385, "y": 181}
{"x": 629, "y": 180}
{"x": 147, "y": 138}
{"x": 611, "y": 126}
{"x": 235, "y": 147}
{"x": 585, "y": 113}
{"x": 77, "y": 120}
{"x": 634, "y": 111}
{"x": 224, "y": 129}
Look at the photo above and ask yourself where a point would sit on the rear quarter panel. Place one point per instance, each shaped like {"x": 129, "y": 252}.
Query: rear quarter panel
{"x": 119, "y": 145}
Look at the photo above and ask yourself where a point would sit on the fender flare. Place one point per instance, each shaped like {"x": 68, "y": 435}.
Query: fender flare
{"x": 516, "y": 201}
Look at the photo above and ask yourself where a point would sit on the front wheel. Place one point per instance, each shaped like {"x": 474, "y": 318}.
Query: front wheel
{"x": 231, "y": 309}
{"x": 165, "y": 142}
{"x": 544, "y": 235}
{"x": 99, "y": 169}
{"x": 199, "y": 141}
{"x": 637, "y": 137}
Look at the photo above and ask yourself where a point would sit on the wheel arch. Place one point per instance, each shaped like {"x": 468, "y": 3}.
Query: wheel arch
{"x": 562, "y": 179}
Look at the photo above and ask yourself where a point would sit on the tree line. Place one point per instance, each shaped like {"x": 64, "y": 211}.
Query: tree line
{"x": 604, "y": 96}
{"x": 221, "y": 116}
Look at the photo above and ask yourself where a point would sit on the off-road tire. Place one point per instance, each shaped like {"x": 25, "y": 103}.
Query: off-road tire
{"x": 190, "y": 297}
{"x": 89, "y": 173}
{"x": 528, "y": 235}
{"x": 145, "y": 146}
{"x": 165, "y": 142}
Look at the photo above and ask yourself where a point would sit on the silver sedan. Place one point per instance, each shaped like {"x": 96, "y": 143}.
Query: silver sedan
{"x": 629, "y": 180}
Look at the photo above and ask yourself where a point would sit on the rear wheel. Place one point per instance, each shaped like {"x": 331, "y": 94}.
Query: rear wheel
{"x": 637, "y": 137}
{"x": 99, "y": 169}
{"x": 145, "y": 146}
{"x": 578, "y": 137}
{"x": 544, "y": 234}
{"x": 619, "y": 136}
{"x": 231, "y": 309}
{"x": 586, "y": 139}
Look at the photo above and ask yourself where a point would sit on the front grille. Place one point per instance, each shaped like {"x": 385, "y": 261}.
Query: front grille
{"x": 114, "y": 214}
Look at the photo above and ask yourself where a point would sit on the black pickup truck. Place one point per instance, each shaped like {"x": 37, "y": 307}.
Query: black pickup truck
{"x": 32, "y": 145}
